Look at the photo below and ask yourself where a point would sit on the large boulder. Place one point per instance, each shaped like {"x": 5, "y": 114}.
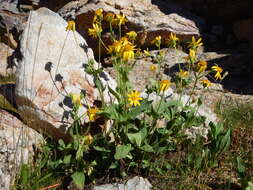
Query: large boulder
{"x": 144, "y": 17}
{"x": 5, "y": 54}
{"x": 52, "y": 66}
{"x": 16, "y": 141}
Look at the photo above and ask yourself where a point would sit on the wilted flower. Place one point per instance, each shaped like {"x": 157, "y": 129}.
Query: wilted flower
{"x": 134, "y": 98}
{"x": 71, "y": 26}
{"x": 201, "y": 66}
{"x": 191, "y": 56}
{"x": 120, "y": 19}
{"x": 128, "y": 52}
{"x": 218, "y": 71}
{"x": 76, "y": 99}
{"x": 88, "y": 139}
{"x": 164, "y": 85}
{"x": 131, "y": 35}
{"x": 183, "y": 73}
{"x": 91, "y": 112}
{"x": 147, "y": 53}
{"x": 153, "y": 67}
{"x": 157, "y": 41}
{"x": 109, "y": 17}
{"x": 98, "y": 15}
{"x": 206, "y": 83}
{"x": 173, "y": 39}
{"x": 95, "y": 31}
{"x": 195, "y": 44}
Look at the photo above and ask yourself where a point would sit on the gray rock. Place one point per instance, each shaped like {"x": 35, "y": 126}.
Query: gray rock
{"x": 143, "y": 16}
{"x": 5, "y": 67}
{"x": 16, "y": 141}
{"x": 52, "y": 66}
{"x": 136, "y": 183}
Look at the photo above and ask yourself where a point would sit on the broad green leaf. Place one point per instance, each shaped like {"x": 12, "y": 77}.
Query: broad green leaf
{"x": 225, "y": 141}
{"x": 240, "y": 165}
{"x": 114, "y": 93}
{"x": 61, "y": 143}
{"x": 122, "y": 151}
{"x": 137, "y": 138}
{"x": 24, "y": 175}
{"x": 101, "y": 149}
{"x": 67, "y": 159}
{"x": 147, "y": 148}
{"x": 134, "y": 112}
{"x": 79, "y": 179}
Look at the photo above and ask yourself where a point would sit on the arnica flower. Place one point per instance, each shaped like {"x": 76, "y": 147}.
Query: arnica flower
{"x": 134, "y": 98}
{"x": 109, "y": 17}
{"x": 191, "y": 56}
{"x": 115, "y": 47}
{"x": 131, "y": 35}
{"x": 157, "y": 41}
{"x": 201, "y": 66}
{"x": 88, "y": 139}
{"x": 218, "y": 71}
{"x": 91, "y": 112}
{"x": 153, "y": 67}
{"x": 206, "y": 83}
{"x": 173, "y": 39}
{"x": 183, "y": 73}
{"x": 195, "y": 44}
{"x": 147, "y": 53}
{"x": 95, "y": 31}
{"x": 98, "y": 17}
{"x": 120, "y": 19}
{"x": 76, "y": 99}
{"x": 71, "y": 26}
{"x": 164, "y": 85}
{"x": 128, "y": 52}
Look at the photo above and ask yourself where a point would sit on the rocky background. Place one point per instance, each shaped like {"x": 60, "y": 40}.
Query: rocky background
{"x": 36, "y": 56}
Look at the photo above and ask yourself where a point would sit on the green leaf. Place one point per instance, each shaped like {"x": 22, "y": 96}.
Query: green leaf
{"x": 240, "y": 165}
{"x": 137, "y": 138}
{"x": 67, "y": 159}
{"x": 61, "y": 143}
{"x": 79, "y": 179}
{"x": 147, "y": 148}
{"x": 114, "y": 93}
{"x": 101, "y": 149}
{"x": 134, "y": 112}
{"x": 122, "y": 151}
{"x": 225, "y": 141}
{"x": 24, "y": 175}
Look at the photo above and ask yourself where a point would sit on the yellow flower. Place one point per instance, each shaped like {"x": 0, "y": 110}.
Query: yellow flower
{"x": 76, "y": 99}
{"x": 71, "y": 26}
{"x": 191, "y": 56}
{"x": 131, "y": 35}
{"x": 183, "y": 73}
{"x": 201, "y": 66}
{"x": 99, "y": 12}
{"x": 153, "y": 67}
{"x": 120, "y": 19}
{"x": 91, "y": 112}
{"x": 147, "y": 53}
{"x": 173, "y": 39}
{"x": 95, "y": 31}
{"x": 218, "y": 71}
{"x": 157, "y": 41}
{"x": 88, "y": 139}
{"x": 128, "y": 52}
{"x": 206, "y": 83}
{"x": 164, "y": 85}
{"x": 134, "y": 98}
{"x": 195, "y": 44}
{"x": 109, "y": 17}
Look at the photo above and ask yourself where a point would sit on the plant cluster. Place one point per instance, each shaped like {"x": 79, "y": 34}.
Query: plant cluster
{"x": 132, "y": 139}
